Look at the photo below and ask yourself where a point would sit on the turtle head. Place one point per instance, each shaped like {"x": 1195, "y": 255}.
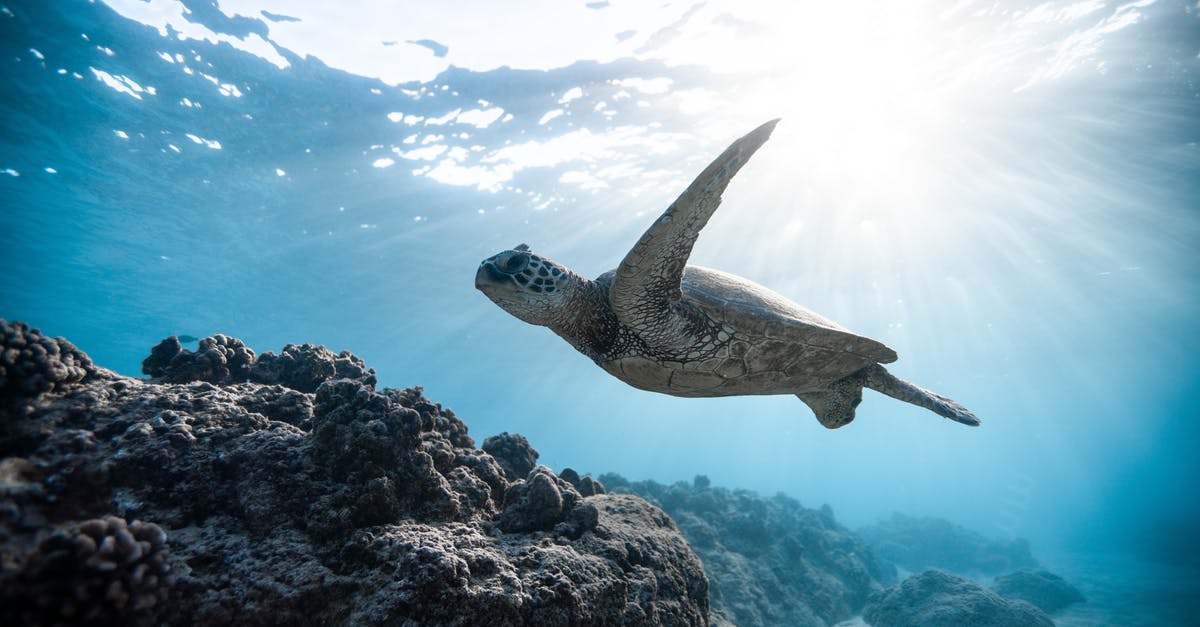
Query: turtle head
{"x": 532, "y": 288}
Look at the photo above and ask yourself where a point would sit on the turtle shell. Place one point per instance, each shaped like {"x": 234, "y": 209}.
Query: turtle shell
{"x": 774, "y": 340}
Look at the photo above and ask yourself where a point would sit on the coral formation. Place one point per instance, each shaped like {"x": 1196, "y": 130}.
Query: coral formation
{"x": 769, "y": 561}
{"x": 218, "y": 359}
{"x": 1047, "y": 591}
{"x": 99, "y": 571}
{"x": 938, "y": 599}
{"x": 344, "y": 505}
{"x": 306, "y": 366}
{"x": 919, "y": 543}
{"x": 221, "y": 359}
{"x": 31, "y": 363}
{"x": 514, "y": 453}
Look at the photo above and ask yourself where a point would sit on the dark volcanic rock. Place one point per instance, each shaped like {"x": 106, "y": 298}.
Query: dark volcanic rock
{"x": 31, "y": 363}
{"x": 938, "y": 599}
{"x": 218, "y": 359}
{"x": 306, "y": 366}
{"x": 919, "y": 543}
{"x": 100, "y": 571}
{"x": 143, "y": 502}
{"x": 769, "y": 561}
{"x": 586, "y": 485}
{"x": 1044, "y": 589}
{"x": 516, "y": 456}
{"x": 221, "y": 359}
{"x": 539, "y": 502}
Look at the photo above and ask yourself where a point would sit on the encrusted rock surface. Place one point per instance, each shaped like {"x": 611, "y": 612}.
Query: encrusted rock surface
{"x": 270, "y": 504}
{"x": 939, "y": 599}
{"x": 1042, "y": 588}
{"x": 513, "y": 452}
{"x": 221, "y": 359}
{"x": 305, "y": 367}
{"x": 99, "y": 571}
{"x": 218, "y": 359}
{"x": 770, "y": 561}
{"x": 31, "y": 363}
{"x": 916, "y": 544}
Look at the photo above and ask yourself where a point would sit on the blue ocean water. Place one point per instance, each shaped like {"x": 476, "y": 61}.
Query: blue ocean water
{"x": 1006, "y": 195}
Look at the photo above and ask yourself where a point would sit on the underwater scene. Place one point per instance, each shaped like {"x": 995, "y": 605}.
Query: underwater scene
{"x": 306, "y": 317}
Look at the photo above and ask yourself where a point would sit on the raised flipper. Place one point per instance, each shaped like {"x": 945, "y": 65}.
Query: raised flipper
{"x": 647, "y": 283}
{"x": 880, "y": 380}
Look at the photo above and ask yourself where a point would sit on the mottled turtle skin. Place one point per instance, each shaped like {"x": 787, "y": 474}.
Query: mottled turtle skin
{"x": 661, "y": 325}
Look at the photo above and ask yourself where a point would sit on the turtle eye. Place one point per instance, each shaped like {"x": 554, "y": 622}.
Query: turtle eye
{"x": 512, "y": 262}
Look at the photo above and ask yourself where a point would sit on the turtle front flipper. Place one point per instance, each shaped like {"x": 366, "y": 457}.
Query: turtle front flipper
{"x": 647, "y": 282}
{"x": 880, "y": 380}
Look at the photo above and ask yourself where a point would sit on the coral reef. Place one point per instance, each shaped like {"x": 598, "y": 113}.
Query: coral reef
{"x": 306, "y": 366}
{"x": 279, "y": 505}
{"x": 218, "y": 359}
{"x": 769, "y": 561}
{"x": 919, "y": 543}
{"x": 32, "y": 364}
{"x": 514, "y": 453}
{"x": 1047, "y": 591}
{"x": 99, "y": 571}
{"x": 938, "y": 599}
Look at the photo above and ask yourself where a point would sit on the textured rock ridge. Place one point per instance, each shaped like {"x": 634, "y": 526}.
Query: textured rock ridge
{"x": 33, "y": 364}
{"x": 770, "y": 561}
{"x": 221, "y": 359}
{"x": 1047, "y": 591}
{"x": 939, "y": 599}
{"x": 288, "y": 490}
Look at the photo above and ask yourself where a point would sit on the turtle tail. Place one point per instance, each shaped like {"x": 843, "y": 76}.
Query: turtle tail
{"x": 880, "y": 380}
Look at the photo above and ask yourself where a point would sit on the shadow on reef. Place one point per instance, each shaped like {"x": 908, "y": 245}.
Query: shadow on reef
{"x": 288, "y": 490}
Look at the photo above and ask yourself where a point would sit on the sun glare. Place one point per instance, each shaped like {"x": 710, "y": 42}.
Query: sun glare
{"x": 862, "y": 91}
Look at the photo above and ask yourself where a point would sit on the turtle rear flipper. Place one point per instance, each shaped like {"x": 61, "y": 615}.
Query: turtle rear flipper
{"x": 880, "y": 380}
{"x": 835, "y": 407}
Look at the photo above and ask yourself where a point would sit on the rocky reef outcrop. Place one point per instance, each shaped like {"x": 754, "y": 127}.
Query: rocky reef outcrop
{"x": 770, "y": 561}
{"x": 935, "y": 598}
{"x": 33, "y": 364}
{"x": 916, "y": 544}
{"x": 1047, "y": 591}
{"x": 288, "y": 490}
{"x": 221, "y": 359}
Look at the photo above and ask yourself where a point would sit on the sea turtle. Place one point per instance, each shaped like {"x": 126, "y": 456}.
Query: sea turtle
{"x": 664, "y": 326}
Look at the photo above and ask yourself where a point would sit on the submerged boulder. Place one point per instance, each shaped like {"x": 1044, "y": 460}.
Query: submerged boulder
{"x": 32, "y": 364}
{"x": 514, "y": 453}
{"x": 939, "y": 599}
{"x": 222, "y": 500}
{"x": 770, "y": 561}
{"x": 1042, "y": 588}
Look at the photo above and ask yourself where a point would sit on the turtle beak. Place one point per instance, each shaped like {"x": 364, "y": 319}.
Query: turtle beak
{"x": 488, "y": 276}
